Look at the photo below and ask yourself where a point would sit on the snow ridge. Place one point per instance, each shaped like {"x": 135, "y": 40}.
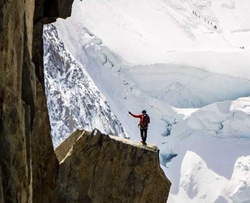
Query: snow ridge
{"x": 192, "y": 79}
{"x": 72, "y": 98}
{"x": 213, "y": 154}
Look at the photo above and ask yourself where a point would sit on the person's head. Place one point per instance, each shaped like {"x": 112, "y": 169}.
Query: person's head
{"x": 144, "y": 111}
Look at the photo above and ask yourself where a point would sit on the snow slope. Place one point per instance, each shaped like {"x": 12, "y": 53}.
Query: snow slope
{"x": 213, "y": 162}
{"x": 155, "y": 31}
{"x": 151, "y": 87}
{"x": 160, "y": 56}
{"x": 73, "y": 100}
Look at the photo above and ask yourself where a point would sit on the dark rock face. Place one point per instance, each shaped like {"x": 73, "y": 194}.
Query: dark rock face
{"x": 99, "y": 168}
{"x": 28, "y": 166}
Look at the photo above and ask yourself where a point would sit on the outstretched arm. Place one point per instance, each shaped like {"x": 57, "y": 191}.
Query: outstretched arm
{"x": 136, "y": 116}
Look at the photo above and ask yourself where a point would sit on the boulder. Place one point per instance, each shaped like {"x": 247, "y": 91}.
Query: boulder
{"x": 98, "y": 168}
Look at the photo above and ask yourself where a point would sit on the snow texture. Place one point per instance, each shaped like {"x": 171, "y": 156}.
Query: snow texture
{"x": 187, "y": 63}
{"x": 72, "y": 98}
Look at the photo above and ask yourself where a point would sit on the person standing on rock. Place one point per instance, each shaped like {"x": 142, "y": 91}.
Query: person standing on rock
{"x": 143, "y": 125}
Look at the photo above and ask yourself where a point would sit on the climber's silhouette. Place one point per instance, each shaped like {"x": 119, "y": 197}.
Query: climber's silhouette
{"x": 143, "y": 125}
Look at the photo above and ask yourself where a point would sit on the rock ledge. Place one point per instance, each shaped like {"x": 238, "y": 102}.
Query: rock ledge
{"x": 99, "y": 168}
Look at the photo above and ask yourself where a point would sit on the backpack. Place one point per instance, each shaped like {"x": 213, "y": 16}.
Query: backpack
{"x": 145, "y": 119}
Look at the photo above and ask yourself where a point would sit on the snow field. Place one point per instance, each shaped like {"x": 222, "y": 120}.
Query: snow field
{"x": 159, "y": 56}
{"x": 213, "y": 154}
{"x": 146, "y": 31}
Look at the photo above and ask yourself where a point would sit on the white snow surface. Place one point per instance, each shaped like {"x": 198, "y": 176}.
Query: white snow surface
{"x": 160, "y": 31}
{"x": 193, "y": 80}
{"x": 213, "y": 162}
{"x": 73, "y": 100}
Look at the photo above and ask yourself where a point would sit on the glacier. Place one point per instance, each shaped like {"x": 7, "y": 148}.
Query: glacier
{"x": 192, "y": 79}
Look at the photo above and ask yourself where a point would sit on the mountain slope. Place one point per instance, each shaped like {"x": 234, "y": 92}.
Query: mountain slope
{"x": 162, "y": 57}
{"x": 213, "y": 159}
{"x": 72, "y": 98}
{"x": 152, "y": 87}
{"x": 149, "y": 31}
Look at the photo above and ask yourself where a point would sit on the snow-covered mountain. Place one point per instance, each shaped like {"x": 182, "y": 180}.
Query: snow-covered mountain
{"x": 166, "y": 31}
{"x": 72, "y": 98}
{"x": 193, "y": 78}
{"x": 213, "y": 155}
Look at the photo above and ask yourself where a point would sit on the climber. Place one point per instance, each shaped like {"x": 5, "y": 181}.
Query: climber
{"x": 143, "y": 125}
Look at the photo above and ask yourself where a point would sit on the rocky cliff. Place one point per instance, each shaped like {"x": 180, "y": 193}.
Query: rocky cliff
{"x": 28, "y": 166}
{"x": 97, "y": 168}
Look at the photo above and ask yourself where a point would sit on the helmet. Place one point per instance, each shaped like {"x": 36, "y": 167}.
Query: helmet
{"x": 144, "y": 111}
